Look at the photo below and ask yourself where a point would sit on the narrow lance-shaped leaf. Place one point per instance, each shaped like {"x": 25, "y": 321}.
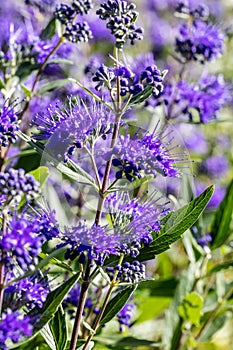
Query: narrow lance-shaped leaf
{"x": 70, "y": 169}
{"x": 175, "y": 224}
{"x": 52, "y": 85}
{"x": 49, "y": 30}
{"x": 59, "y": 329}
{"x": 220, "y": 228}
{"x": 142, "y": 96}
{"x": 116, "y": 304}
{"x": 53, "y": 301}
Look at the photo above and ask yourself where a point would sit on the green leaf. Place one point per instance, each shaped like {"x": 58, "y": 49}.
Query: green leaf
{"x": 53, "y": 301}
{"x": 48, "y": 337}
{"x": 52, "y": 85}
{"x": 191, "y": 308}
{"x": 224, "y": 266}
{"x": 56, "y": 262}
{"x": 25, "y": 69}
{"x": 151, "y": 307}
{"x": 2, "y": 84}
{"x": 214, "y": 326}
{"x": 41, "y": 174}
{"x": 49, "y": 30}
{"x": 33, "y": 343}
{"x": 175, "y": 224}
{"x": 220, "y": 228}
{"x": 59, "y": 329}
{"x": 60, "y": 61}
{"x": 41, "y": 264}
{"x": 129, "y": 342}
{"x": 26, "y": 91}
{"x": 70, "y": 169}
{"x": 173, "y": 323}
{"x": 116, "y": 304}
{"x": 142, "y": 96}
{"x": 160, "y": 288}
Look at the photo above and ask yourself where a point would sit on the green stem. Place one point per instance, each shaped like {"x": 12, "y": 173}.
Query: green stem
{"x": 86, "y": 282}
{"x": 113, "y": 142}
{"x": 40, "y": 70}
{"x": 81, "y": 305}
{"x": 113, "y": 284}
{"x": 214, "y": 313}
{"x": 90, "y": 153}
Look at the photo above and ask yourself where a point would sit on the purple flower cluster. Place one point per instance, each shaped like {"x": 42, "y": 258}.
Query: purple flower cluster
{"x": 201, "y": 11}
{"x": 125, "y": 315}
{"x": 21, "y": 242}
{"x": 121, "y": 17}
{"x": 30, "y": 292}
{"x": 206, "y": 97}
{"x": 130, "y": 83}
{"x": 47, "y": 224}
{"x": 203, "y": 241}
{"x": 97, "y": 240}
{"x": 70, "y": 128}
{"x": 66, "y": 14}
{"x": 13, "y": 326}
{"x": 215, "y": 166}
{"x": 128, "y": 272}
{"x": 134, "y": 220}
{"x": 199, "y": 40}
{"x": 148, "y": 154}
{"x": 15, "y": 183}
{"x": 8, "y": 124}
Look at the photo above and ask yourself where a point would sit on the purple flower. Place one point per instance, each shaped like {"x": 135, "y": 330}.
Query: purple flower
{"x": 78, "y": 32}
{"x": 93, "y": 64}
{"x": 125, "y": 315}
{"x": 121, "y": 18}
{"x": 134, "y": 220}
{"x": 15, "y": 183}
{"x": 99, "y": 241}
{"x": 207, "y": 97}
{"x": 194, "y": 139}
{"x": 200, "y": 41}
{"x": 204, "y": 240}
{"x": 82, "y": 6}
{"x": 8, "y": 124}
{"x": 128, "y": 272}
{"x": 64, "y": 13}
{"x": 150, "y": 154}
{"x": 47, "y": 225}
{"x": 13, "y": 326}
{"x": 71, "y": 128}
{"x": 30, "y": 292}
{"x": 215, "y": 166}
{"x": 21, "y": 242}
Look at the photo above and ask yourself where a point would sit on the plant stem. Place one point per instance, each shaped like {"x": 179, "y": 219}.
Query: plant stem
{"x": 81, "y": 305}
{"x": 40, "y": 70}
{"x": 113, "y": 142}
{"x": 214, "y": 313}
{"x": 86, "y": 281}
{"x": 97, "y": 322}
{"x": 106, "y": 300}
